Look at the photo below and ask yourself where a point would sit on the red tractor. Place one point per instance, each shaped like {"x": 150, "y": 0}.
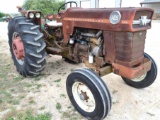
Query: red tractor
{"x": 104, "y": 39}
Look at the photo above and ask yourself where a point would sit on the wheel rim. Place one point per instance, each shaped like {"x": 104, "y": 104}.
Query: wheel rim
{"x": 83, "y": 97}
{"x": 138, "y": 79}
{"x": 18, "y": 48}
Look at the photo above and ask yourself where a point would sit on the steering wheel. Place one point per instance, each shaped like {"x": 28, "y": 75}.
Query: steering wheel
{"x": 64, "y": 5}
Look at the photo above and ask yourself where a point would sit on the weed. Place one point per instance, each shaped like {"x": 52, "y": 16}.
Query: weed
{"x": 7, "y": 94}
{"x": 58, "y": 63}
{"x": 28, "y": 85}
{"x": 58, "y": 85}
{"x": 21, "y": 97}
{"x": 12, "y": 89}
{"x": 64, "y": 73}
{"x": 69, "y": 115}
{"x": 18, "y": 78}
{"x": 42, "y": 108}
{"x": 69, "y": 107}
{"x": 58, "y": 80}
{"x": 115, "y": 102}
{"x": 12, "y": 108}
{"x": 51, "y": 64}
{"x": 12, "y": 101}
{"x": 38, "y": 86}
{"x": 9, "y": 115}
{"x": 32, "y": 102}
{"x": 39, "y": 77}
{"x": 66, "y": 115}
{"x": 27, "y": 115}
{"x": 63, "y": 95}
{"x": 73, "y": 118}
{"x": 58, "y": 106}
{"x": 10, "y": 118}
{"x": 1, "y": 100}
{"x": 72, "y": 69}
{"x": 150, "y": 114}
{"x": 114, "y": 91}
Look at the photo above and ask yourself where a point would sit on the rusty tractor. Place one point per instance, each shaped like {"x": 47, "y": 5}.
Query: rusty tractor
{"x": 105, "y": 40}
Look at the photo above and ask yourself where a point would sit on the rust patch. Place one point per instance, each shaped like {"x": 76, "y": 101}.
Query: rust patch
{"x": 132, "y": 72}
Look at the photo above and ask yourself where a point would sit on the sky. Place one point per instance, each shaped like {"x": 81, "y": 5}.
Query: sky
{"x": 9, "y": 6}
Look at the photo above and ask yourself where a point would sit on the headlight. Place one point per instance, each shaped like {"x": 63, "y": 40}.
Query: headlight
{"x": 115, "y": 17}
{"x": 31, "y": 15}
{"x": 38, "y": 15}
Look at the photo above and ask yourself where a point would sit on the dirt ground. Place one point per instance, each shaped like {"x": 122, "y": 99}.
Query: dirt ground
{"x": 48, "y": 91}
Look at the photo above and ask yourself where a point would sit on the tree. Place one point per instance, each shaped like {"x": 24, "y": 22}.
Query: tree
{"x": 2, "y": 14}
{"x": 45, "y": 6}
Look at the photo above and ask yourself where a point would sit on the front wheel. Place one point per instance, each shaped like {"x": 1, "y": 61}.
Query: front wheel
{"x": 88, "y": 94}
{"x": 146, "y": 79}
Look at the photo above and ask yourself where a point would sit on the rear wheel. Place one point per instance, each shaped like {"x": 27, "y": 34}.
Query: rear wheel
{"x": 88, "y": 94}
{"x": 27, "y": 46}
{"x": 146, "y": 79}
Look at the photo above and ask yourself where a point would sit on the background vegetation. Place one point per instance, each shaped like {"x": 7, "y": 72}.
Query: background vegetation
{"x": 45, "y": 6}
{"x": 2, "y": 14}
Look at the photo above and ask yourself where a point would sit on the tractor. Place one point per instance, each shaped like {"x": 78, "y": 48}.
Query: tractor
{"x": 106, "y": 40}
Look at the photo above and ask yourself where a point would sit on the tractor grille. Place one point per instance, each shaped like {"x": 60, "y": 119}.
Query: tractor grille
{"x": 138, "y": 16}
{"x": 129, "y": 47}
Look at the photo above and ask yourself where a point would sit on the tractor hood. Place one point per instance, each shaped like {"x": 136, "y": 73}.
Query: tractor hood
{"x": 112, "y": 19}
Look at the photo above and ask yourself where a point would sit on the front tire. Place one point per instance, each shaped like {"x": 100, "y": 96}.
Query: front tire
{"x": 146, "y": 79}
{"x": 88, "y": 94}
{"x": 27, "y": 46}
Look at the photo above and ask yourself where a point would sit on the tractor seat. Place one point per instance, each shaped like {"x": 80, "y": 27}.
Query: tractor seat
{"x": 53, "y": 20}
{"x": 53, "y": 23}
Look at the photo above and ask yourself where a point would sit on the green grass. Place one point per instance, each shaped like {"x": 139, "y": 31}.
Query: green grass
{"x": 39, "y": 77}
{"x": 10, "y": 119}
{"x": 13, "y": 101}
{"x": 28, "y": 115}
{"x": 5, "y": 93}
{"x": 13, "y": 90}
{"x": 18, "y": 78}
{"x": 10, "y": 83}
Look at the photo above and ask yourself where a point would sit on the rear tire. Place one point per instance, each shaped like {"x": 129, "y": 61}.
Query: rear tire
{"x": 34, "y": 46}
{"x": 88, "y": 94}
{"x": 146, "y": 79}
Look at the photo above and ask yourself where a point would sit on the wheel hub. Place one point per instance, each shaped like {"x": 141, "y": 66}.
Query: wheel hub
{"x": 83, "y": 97}
{"x": 18, "y": 48}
